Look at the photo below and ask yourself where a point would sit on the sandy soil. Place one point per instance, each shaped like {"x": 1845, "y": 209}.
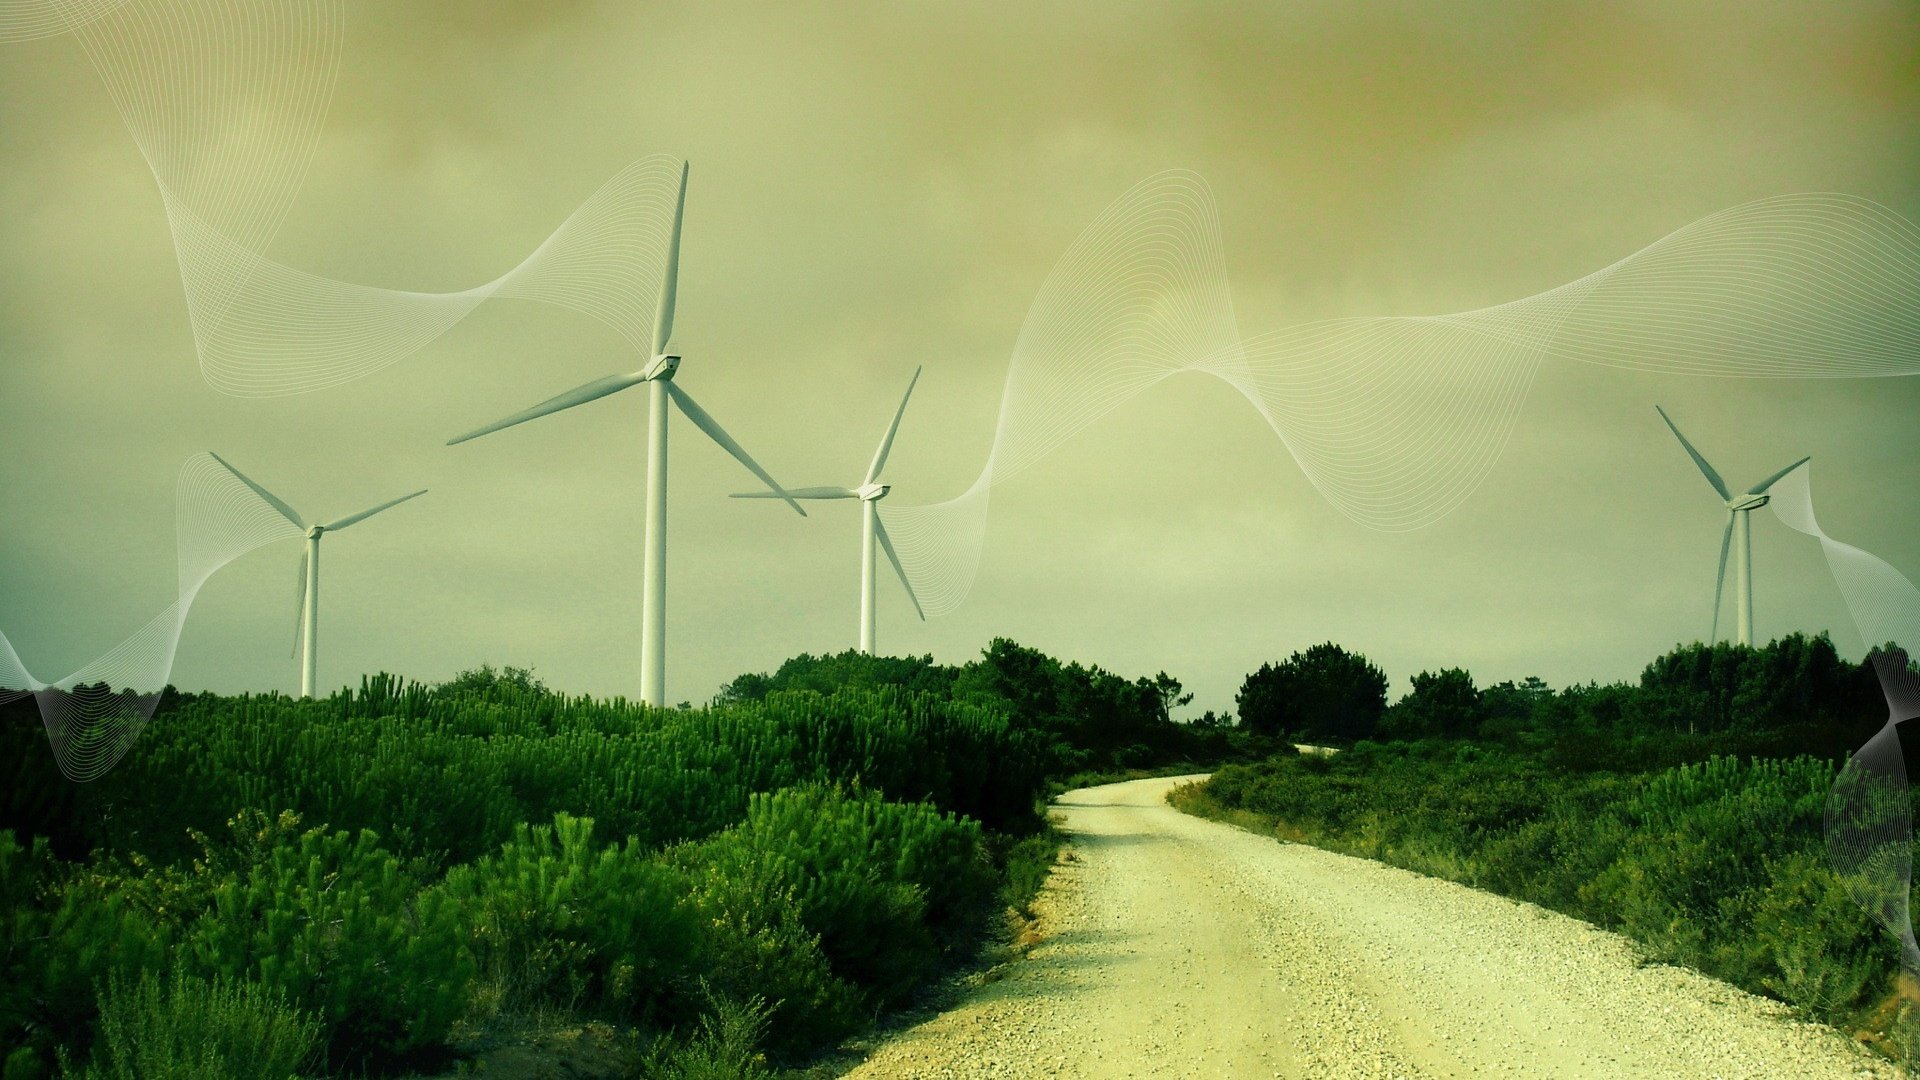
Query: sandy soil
{"x": 1178, "y": 947}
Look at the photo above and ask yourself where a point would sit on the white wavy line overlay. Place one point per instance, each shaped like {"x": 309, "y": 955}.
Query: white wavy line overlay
{"x": 1396, "y": 420}
{"x": 1869, "y": 814}
{"x": 93, "y": 715}
{"x": 225, "y": 100}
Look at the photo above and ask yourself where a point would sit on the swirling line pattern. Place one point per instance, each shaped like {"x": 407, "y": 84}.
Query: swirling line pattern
{"x": 1869, "y": 813}
{"x": 94, "y": 714}
{"x": 1396, "y": 420}
{"x": 225, "y": 100}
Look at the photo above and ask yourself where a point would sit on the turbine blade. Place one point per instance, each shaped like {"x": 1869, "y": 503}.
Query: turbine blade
{"x": 1720, "y": 579}
{"x": 886, "y": 545}
{"x": 272, "y": 499}
{"x": 299, "y": 605}
{"x": 800, "y": 493}
{"x": 670, "y": 284}
{"x": 579, "y": 395}
{"x": 719, "y": 434}
{"x": 336, "y": 526}
{"x": 886, "y": 444}
{"x": 1713, "y": 478}
{"x": 1761, "y": 487}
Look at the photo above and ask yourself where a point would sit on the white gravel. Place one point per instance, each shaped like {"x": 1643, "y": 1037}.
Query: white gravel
{"x": 1178, "y": 947}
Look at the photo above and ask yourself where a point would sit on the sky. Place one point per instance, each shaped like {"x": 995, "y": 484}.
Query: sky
{"x": 876, "y": 187}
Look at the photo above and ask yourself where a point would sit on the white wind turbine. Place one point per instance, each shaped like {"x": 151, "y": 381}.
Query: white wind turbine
{"x": 1738, "y": 507}
{"x": 658, "y": 375}
{"x": 870, "y": 492}
{"x": 307, "y": 592}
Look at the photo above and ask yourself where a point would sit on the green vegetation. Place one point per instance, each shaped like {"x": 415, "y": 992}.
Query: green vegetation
{"x": 194, "y": 1030}
{"x": 368, "y": 883}
{"x": 362, "y": 883}
{"x": 1685, "y": 811}
{"x": 1323, "y": 694}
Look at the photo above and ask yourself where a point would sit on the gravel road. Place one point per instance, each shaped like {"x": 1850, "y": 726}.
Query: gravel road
{"x": 1178, "y": 947}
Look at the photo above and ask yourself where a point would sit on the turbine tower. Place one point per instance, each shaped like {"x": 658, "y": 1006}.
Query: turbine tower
{"x": 307, "y": 593}
{"x": 658, "y": 375}
{"x": 1738, "y": 528}
{"x": 870, "y": 492}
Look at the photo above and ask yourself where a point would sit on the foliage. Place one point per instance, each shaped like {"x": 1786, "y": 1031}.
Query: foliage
{"x": 553, "y": 917}
{"x": 825, "y": 674}
{"x": 1443, "y": 703}
{"x": 397, "y": 862}
{"x": 882, "y": 884}
{"x": 451, "y": 772}
{"x": 1324, "y": 693}
{"x": 724, "y": 1046}
{"x": 61, "y": 933}
{"x": 341, "y": 926}
{"x": 193, "y": 1029}
{"x": 1791, "y": 696}
{"x": 1027, "y": 863}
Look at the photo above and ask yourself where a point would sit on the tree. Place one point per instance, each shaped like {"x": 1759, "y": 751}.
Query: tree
{"x": 1325, "y": 692}
{"x": 1442, "y": 703}
{"x": 825, "y": 674}
{"x": 1167, "y": 689}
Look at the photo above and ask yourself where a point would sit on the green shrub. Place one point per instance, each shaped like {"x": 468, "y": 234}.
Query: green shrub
{"x": 1027, "y": 863}
{"x": 754, "y": 943}
{"x": 553, "y": 917}
{"x": 724, "y": 1046}
{"x": 336, "y": 923}
{"x": 449, "y": 772}
{"x": 62, "y": 930}
{"x": 882, "y": 885}
{"x": 1812, "y": 946}
{"x": 192, "y": 1029}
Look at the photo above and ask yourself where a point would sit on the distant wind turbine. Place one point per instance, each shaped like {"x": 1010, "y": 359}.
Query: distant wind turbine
{"x": 658, "y": 375}
{"x": 870, "y": 492}
{"x": 307, "y": 592}
{"x": 1738, "y": 507}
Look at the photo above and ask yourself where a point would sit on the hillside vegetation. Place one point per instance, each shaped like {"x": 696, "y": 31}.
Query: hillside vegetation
{"x": 368, "y": 882}
{"x": 1685, "y": 811}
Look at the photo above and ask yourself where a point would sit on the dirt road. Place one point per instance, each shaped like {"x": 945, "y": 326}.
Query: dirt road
{"x": 1179, "y": 947}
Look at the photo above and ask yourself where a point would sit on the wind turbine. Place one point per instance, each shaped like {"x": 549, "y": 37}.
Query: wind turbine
{"x": 658, "y": 375}
{"x": 1738, "y": 507}
{"x": 307, "y": 592}
{"x": 870, "y": 492}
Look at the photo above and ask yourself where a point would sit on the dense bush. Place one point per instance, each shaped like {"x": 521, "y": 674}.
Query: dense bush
{"x": 883, "y": 885}
{"x": 374, "y": 870}
{"x": 193, "y": 1029}
{"x": 341, "y": 927}
{"x": 1322, "y": 694}
{"x": 1789, "y": 697}
{"x": 1076, "y": 718}
{"x": 62, "y": 932}
{"x": 451, "y": 773}
{"x": 554, "y": 917}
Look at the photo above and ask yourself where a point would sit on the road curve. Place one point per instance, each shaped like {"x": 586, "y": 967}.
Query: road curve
{"x": 1178, "y": 947}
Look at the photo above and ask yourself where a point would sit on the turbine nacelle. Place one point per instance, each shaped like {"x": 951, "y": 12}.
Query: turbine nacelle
{"x": 872, "y": 492}
{"x": 1748, "y": 502}
{"x": 662, "y": 366}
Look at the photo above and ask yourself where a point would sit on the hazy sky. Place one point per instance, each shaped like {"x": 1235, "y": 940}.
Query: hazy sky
{"x": 875, "y": 187}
